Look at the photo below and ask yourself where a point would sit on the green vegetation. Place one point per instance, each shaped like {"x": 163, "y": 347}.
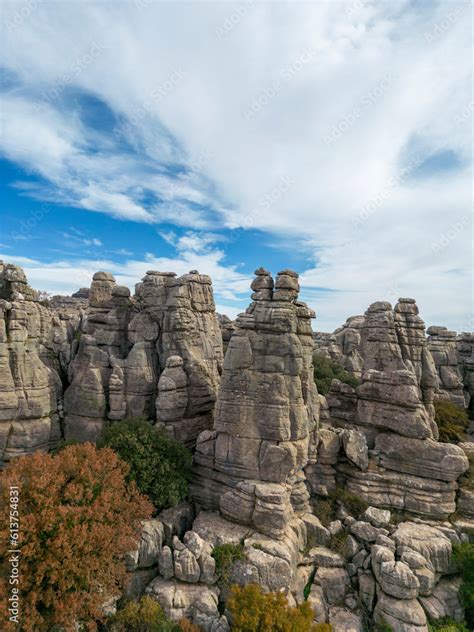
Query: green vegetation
{"x": 463, "y": 555}
{"x": 326, "y": 509}
{"x": 225, "y": 555}
{"x": 354, "y": 504}
{"x": 447, "y": 625}
{"x": 160, "y": 466}
{"x": 338, "y": 543}
{"x": 146, "y": 615}
{"x": 252, "y": 610}
{"x": 452, "y": 422}
{"x": 467, "y": 479}
{"x": 326, "y": 370}
{"x": 383, "y": 626}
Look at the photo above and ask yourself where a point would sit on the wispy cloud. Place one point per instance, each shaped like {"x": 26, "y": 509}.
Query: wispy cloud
{"x": 386, "y": 84}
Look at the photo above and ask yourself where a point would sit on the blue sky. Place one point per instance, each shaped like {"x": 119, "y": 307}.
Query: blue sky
{"x": 329, "y": 137}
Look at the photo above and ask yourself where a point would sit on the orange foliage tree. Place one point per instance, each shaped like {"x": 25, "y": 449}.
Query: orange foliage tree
{"x": 77, "y": 518}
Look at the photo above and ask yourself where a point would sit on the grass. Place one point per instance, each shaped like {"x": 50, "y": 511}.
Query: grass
{"x": 326, "y": 508}
{"x": 447, "y": 625}
{"x": 452, "y": 422}
{"x": 326, "y": 370}
{"x": 225, "y": 555}
{"x": 338, "y": 543}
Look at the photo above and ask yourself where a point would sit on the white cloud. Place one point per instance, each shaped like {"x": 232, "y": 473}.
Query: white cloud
{"x": 385, "y": 82}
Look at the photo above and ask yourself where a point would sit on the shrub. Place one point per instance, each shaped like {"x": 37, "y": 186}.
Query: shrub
{"x": 463, "y": 555}
{"x": 254, "y": 611}
{"x": 338, "y": 543}
{"x": 452, "y": 422}
{"x": 447, "y": 625}
{"x": 326, "y": 508}
{"x": 354, "y": 504}
{"x": 144, "y": 615}
{"x": 160, "y": 466}
{"x": 78, "y": 518}
{"x": 225, "y": 555}
{"x": 326, "y": 370}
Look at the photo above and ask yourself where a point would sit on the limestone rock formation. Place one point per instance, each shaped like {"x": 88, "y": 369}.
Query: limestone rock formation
{"x": 392, "y": 408}
{"x": 442, "y": 345}
{"x": 157, "y": 354}
{"x": 251, "y": 465}
{"x": 31, "y": 338}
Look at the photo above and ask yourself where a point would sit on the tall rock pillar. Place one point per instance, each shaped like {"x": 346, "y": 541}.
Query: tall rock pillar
{"x": 251, "y": 465}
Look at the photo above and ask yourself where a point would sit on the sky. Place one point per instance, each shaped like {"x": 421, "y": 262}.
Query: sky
{"x": 333, "y": 138}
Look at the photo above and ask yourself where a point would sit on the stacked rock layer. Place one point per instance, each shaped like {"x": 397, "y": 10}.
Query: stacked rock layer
{"x": 157, "y": 355}
{"x": 250, "y": 465}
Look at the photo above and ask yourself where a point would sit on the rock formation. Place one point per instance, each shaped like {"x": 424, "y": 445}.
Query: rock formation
{"x": 442, "y": 345}
{"x": 392, "y": 411}
{"x": 250, "y": 465}
{"x": 269, "y": 450}
{"x": 157, "y": 354}
{"x": 30, "y": 387}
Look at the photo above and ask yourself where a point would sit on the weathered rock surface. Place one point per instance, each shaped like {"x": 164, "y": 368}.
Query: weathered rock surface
{"x": 250, "y": 466}
{"x": 442, "y": 345}
{"x": 157, "y": 355}
{"x": 34, "y": 344}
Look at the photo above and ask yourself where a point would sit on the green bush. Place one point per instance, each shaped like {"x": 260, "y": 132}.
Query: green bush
{"x": 225, "y": 555}
{"x": 452, "y": 422}
{"x": 326, "y": 370}
{"x": 252, "y": 610}
{"x": 354, "y": 504}
{"x": 338, "y": 543}
{"x": 144, "y": 615}
{"x": 463, "y": 555}
{"x": 447, "y": 625}
{"x": 161, "y": 466}
{"x": 326, "y": 508}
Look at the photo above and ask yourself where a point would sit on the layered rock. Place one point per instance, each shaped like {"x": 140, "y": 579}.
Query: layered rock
{"x": 30, "y": 384}
{"x": 465, "y": 353}
{"x": 157, "y": 354}
{"x": 442, "y": 345}
{"x": 392, "y": 408}
{"x": 251, "y": 465}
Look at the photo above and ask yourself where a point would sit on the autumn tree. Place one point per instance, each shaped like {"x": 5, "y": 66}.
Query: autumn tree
{"x": 78, "y": 517}
{"x": 252, "y": 610}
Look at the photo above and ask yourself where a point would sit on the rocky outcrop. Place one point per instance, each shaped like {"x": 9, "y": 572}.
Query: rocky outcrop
{"x": 34, "y": 349}
{"x": 157, "y": 354}
{"x": 465, "y": 353}
{"x": 402, "y": 465}
{"x": 250, "y": 465}
{"x": 442, "y": 345}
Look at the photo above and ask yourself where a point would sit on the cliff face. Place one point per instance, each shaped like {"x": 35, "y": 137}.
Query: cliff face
{"x": 157, "y": 355}
{"x": 34, "y": 351}
{"x": 391, "y": 416}
{"x": 269, "y": 451}
{"x": 251, "y": 464}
